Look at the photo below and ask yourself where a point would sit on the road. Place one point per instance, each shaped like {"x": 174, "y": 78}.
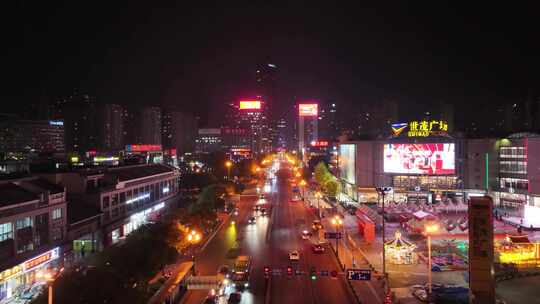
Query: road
{"x": 269, "y": 242}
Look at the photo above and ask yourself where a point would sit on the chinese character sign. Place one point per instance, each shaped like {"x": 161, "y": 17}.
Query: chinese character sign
{"x": 421, "y": 128}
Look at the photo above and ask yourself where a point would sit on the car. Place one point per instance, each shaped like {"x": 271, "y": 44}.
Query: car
{"x": 306, "y": 235}
{"x": 224, "y": 270}
{"x": 318, "y": 248}
{"x": 256, "y": 208}
{"x": 317, "y": 225}
{"x": 234, "y": 298}
{"x": 261, "y": 196}
{"x": 294, "y": 256}
{"x": 263, "y": 212}
{"x": 252, "y": 220}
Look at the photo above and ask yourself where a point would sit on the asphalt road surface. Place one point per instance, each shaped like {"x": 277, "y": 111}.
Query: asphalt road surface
{"x": 269, "y": 243}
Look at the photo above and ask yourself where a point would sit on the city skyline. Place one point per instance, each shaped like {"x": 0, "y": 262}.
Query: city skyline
{"x": 435, "y": 57}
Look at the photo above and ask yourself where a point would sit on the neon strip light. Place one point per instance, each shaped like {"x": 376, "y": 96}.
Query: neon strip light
{"x": 138, "y": 198}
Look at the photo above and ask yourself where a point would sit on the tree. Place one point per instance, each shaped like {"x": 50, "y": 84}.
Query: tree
{"x": 332, "y": 187}
{"x": 322, "y": 175}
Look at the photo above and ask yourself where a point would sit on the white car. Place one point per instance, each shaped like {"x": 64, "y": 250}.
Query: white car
{"x": 294, "y": 256}
{"x": 306, "y": 235}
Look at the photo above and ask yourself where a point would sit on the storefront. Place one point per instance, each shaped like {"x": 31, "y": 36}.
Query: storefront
{"x": 135, "y": 221}
{"x": 22, "y": 279}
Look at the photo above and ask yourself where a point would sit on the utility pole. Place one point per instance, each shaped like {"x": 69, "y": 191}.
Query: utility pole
{"x": 382, "y": 192}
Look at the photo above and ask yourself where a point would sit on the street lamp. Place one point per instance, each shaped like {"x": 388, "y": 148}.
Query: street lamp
{"x": 430, "y": 229}
{"x": 303, "y": 185}
{"x": 318, "y": 195}
{"x": 338, "y": 223}
{"x": 49, "y": 278}
{"x": 193, "y": 238}
{"x": 228, "y": 164}
{"x": 382, "y": 192}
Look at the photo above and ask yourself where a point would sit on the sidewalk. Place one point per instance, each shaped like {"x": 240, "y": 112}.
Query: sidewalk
{"x": 350, "y": 254}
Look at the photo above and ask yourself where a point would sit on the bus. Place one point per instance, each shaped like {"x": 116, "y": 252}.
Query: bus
{"x": 241, "y": 271}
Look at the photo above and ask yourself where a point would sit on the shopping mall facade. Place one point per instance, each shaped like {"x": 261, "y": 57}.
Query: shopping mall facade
{"x": 432, "y": 165}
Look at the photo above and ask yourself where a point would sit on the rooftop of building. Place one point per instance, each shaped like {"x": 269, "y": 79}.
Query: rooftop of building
{"x": 79, "y": 211}
{"x": 138, "y": 171}
{"x": 11, "y": 194}
{"x": 40, "y": 185}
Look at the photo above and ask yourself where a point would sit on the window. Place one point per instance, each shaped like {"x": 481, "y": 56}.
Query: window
{"x": 24, "y": 222}
{"x": 6, "y": 231}
{"x": 513, "y": 152}
{"x": 57, "y": 213}
{"x": 56, "y": 234}
{"x": 106, "y": 200}
{"x": 516, "y": 167}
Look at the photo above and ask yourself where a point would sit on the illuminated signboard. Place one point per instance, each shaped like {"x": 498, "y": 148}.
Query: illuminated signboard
{"x": 11, "y": 272}
{"x": 308, "y": 109}
{"x": 430, "y": 159}
{"x": 142, "y": 148}
{"x": 41, "y": 259}
{"x": 250, "y": 105}
{"x": 421, "y": 128}
{"x": 56, "y": 123}
{"x": 347, "y": 163}
{"x": 397, "y": 128}
{"x": 319, "y": 143}
{"x": 99, "y": 159}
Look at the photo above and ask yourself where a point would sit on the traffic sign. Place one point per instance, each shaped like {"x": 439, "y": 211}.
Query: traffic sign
{"x": 359, "y": 274}
{"x": 332, "y": 235}
{"x": 324, "y": 273}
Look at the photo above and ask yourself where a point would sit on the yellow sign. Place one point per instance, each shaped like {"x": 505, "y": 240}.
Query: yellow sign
{"x": 424, "y": 128}
{"x": 9, "y": 273}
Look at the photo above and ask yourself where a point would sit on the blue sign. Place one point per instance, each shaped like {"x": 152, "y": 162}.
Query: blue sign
{"x": 324, "y": 273}
{"x": 359, "y": 274}
{"x": 56, "y": 123}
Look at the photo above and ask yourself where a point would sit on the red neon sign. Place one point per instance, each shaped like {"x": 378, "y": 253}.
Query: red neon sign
{"x": 319, "y": 143}
{"x": 308, "y": 109}
{"x": 142, "y": 148}
{"x": 250, "y": 105}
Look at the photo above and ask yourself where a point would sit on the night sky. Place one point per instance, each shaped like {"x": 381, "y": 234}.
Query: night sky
{"x": 201, "y": 57}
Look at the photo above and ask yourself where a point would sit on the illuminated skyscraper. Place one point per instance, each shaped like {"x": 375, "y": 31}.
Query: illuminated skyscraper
{"x": 250, "y": 116}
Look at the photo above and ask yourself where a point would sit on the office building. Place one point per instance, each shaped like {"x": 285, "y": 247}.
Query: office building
{"x": 111, "y": 127}
{"x": 179, "y": 131}
{"x": 36, "y": 136}
{"x": 150, "y": 125}
{"x": 79, "y": 112}
{"x": 209, "y": 140}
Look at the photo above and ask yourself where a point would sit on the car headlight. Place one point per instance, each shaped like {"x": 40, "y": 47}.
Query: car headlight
{"x": 246, "y": 285}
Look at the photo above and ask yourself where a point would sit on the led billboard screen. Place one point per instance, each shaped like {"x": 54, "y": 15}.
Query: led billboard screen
{"x": 347, "y": 163}
{"x": 429, "y": 159}
{"x": 308, "y": 109}
{"x": 250, "y": 105}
